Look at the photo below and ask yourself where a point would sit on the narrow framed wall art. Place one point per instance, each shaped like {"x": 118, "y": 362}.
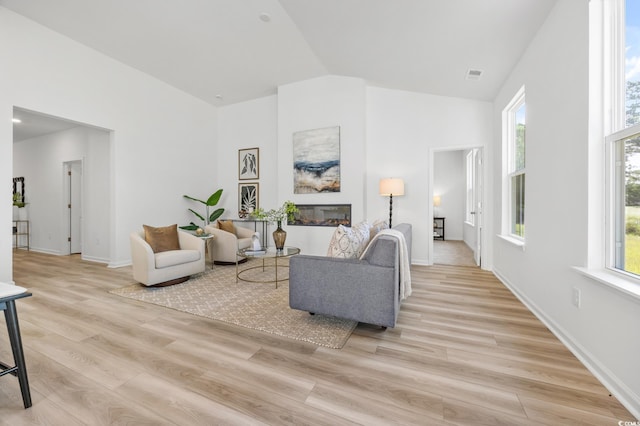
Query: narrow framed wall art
{"x": 248, "y": 196}
{"x": 248, "y": 163}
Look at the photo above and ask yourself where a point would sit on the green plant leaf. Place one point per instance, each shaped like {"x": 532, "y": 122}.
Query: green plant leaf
{"x": 197, "y": 214}
{"x": 194, "y": 199}
{"x": 191, "y": 227}
{"x": 214, "y": 198}
{"x": 216, "y": 214}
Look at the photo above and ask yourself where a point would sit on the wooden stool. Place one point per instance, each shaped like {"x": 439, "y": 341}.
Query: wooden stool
{"x": 8, "y": 295}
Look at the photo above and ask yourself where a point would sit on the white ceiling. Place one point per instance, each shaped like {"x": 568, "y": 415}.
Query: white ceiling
{"x": 222, "y": 52}
{"x": 221, "y": 47}
{"x": 34, "y": 124}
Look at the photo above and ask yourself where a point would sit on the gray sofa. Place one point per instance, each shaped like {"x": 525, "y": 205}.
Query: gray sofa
{"x": 366, "y": 290}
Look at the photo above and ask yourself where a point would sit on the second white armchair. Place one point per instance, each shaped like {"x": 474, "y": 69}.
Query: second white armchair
{"x": 226, "y": 243}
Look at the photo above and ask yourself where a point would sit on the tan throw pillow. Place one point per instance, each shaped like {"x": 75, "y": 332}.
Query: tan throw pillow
{"x": 162, "y": 239}
{"x": 349, "y": 243}
{"x": 227, "y": 225}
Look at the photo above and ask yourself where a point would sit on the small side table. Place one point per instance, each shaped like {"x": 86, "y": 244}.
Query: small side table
{"x": 208, "y": 239}
{"x": 8, "y": 295}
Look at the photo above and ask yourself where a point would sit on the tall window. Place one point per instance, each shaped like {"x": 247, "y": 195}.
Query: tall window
{"x": 470, "y": 216}
{"x": 623, "y": 145}
{"x": 625, "y": 197}
{"x": 632, "y": 62}
{"x": 515, "y": 140}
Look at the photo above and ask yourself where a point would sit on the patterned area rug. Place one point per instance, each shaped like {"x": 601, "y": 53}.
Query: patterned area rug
{"x": 259, "y": 306}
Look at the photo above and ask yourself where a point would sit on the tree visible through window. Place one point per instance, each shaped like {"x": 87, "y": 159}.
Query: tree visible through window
{"x": 632, "y": 62}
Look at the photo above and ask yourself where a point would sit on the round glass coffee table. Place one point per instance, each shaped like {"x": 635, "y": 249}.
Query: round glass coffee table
{"x": 264, "y": 254}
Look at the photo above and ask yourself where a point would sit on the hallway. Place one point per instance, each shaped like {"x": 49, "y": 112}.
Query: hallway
{"x": 455, "y": 253}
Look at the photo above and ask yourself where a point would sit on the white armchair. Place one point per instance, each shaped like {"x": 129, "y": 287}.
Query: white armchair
{"x": 226, "y": 244}
{"x": 167, "y": 267}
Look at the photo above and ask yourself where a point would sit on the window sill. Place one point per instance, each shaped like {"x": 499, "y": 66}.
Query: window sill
{"x": 514, "y": 241}
{"x": 613, "y": 280}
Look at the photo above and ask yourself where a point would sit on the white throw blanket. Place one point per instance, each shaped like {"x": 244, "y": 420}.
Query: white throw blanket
{"x": 405, "y": 267}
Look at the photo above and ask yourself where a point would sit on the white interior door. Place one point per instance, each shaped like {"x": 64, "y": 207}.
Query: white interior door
{"x": 479, "y": 190}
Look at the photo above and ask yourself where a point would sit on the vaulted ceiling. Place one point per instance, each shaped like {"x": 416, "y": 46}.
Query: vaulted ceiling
{"x": 227, "y": 51}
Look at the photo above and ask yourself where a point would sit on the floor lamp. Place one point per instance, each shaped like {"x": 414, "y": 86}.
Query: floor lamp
{"x": 391, "y": 187}
{"x": 436, "y": 203}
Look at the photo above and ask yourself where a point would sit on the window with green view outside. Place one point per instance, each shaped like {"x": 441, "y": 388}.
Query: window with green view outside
{"x": 626, "y": 195}
{"x": 626, "y": 167}
{"x": 516, "y": 130}
{"x": 518, "y": 176}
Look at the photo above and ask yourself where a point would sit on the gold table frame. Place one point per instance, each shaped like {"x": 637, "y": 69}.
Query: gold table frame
{"x": 266, "y": 253}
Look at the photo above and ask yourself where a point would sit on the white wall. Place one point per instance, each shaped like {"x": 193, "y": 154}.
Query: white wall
{"x": 449, "y": 174}
{"x": 243, "y": 125}
{"x": 603, "y": 332}
{"x": 404, "y": 131}
{"x": 163, "y": 143}
{"x": 96, "y": 200}
{"x": 313, "y": 104}
{"x": 40, "y": 160}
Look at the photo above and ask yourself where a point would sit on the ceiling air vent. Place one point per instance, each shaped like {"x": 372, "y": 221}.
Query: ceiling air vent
{"x": 474, "y": 74}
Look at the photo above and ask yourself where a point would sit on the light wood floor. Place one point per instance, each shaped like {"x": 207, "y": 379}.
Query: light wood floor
{"x": 454, "y": 253}
{"x": 465, "y": 352}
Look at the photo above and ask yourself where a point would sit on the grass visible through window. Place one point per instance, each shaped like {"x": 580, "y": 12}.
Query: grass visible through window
{"x": 632, "y": 240}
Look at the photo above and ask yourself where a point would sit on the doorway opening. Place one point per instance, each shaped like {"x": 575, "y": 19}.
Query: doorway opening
{"x": 68, "y": 167}
{"x": 457, "y": 194}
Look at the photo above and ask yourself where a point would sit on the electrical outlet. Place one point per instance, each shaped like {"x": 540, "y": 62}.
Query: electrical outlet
{"x": 576, "y": 297}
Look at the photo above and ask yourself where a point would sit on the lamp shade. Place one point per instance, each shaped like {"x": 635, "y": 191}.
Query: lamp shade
{"x": 436, "y": 200}
{"x": 391, "y": 186}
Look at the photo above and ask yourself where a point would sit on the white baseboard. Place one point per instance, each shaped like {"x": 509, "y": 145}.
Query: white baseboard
{"x": 94, "y": 259}
{"x": 87, "y": 258}
{"x": 617, "y": 387}
{"x": 119, "y": 264}
{"x": 45, "y": 251}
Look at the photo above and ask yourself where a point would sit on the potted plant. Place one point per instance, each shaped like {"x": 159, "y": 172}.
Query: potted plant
{"x": 208, "y": 217}
{"x": 18, "y": 207}
{"x": 285, "y": 212}
{"x": 18, "y": 200}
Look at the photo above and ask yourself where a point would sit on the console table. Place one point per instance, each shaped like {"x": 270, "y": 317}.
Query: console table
{"x": 438, "y": 228}
{"x": 20, "y": 232}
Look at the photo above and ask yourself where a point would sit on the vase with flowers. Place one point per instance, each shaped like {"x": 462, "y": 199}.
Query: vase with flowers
{"x": 284, "y": 213}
